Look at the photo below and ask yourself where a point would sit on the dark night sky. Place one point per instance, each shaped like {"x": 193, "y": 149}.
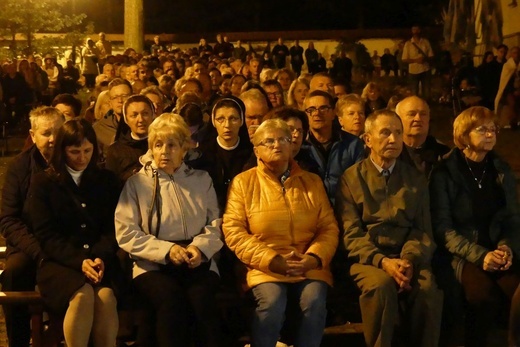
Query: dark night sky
{"x": 203, "y": 16}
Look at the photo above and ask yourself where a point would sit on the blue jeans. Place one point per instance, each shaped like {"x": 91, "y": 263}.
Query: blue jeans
{"x": 271, "y": 301}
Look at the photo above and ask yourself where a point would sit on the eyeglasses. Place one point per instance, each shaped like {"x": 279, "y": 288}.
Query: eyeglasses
{"x": 275, "y": 94}
{"x": 120, "y": 97}
{"x": 270, "y": 142}
{"x": 232, "y": 120}
{"x": 483, "y": 130}
{"x": 296, "y": 131}
{"x": 321, "y": 109}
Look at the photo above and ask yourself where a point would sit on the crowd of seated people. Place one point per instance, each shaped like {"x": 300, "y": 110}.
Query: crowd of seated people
{"x": 205, "y": 170}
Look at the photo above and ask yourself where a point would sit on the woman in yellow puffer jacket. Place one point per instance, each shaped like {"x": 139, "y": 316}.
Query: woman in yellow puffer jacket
{"x": 279, "y": 223}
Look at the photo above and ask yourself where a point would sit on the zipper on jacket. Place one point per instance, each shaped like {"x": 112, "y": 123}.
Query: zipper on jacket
{"x": 183, "y": 218}
{"x": 291, "y": 223}
{"x": 387, "y": 201}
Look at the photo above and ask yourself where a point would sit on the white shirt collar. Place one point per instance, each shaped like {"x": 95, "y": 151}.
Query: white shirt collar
{"x": 380, "y": 169}
{"x": 76, "y": 175}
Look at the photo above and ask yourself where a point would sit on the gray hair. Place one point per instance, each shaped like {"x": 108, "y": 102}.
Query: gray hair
{"x": 253, "y": 95}
{"x": 44, "y": 112}
{"x": 270, "y": 125}
{"x": 369, "y": 123}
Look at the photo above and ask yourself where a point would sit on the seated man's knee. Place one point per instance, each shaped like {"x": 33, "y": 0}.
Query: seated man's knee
{"x": 382, "y": 284}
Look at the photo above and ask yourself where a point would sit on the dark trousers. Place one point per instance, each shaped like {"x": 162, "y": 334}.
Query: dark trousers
{"x": 485, "y": 292}
{"x": 19, "y": 275}
{"x": 90, "y": 80}
{"x": 424, "y": 78}
{"x": 297, "y": 68}
{"x": 180, "y": 297}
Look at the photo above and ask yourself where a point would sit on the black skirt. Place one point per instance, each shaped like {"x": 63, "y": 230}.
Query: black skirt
{"x": 57, "y": 284}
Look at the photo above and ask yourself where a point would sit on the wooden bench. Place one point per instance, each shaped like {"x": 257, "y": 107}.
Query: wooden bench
{"x": 35, "y": 303}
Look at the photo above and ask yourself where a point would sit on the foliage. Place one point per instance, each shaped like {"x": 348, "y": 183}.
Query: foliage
{"x": 60, "y": 45}
{"x": 357, "y": 51}
{"x": 28, "y": 17}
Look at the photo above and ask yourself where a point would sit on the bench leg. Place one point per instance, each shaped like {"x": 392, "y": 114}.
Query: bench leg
{"x": 36, "y": 325}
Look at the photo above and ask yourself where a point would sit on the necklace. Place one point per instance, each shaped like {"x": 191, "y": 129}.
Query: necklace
{"x": 479, "y": 181}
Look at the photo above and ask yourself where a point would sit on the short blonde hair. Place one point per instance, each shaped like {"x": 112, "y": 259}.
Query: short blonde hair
{"x": 468, "y": 120}
{"x": 347, "y": 100}
{"x": 294, "y": 85}
{"x": 270, "y": 125}
{"x": 266, "y": 75}
{"x": 169, "y": 126}
{"x": 102, "y": 100}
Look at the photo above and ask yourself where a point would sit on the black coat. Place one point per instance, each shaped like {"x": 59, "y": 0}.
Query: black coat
{"x": 342, "y": 69}
{"x": 296, "y": 53}
{"x": 123, "y": 156}
{"x": 221, "y": 165}
{"x": 427, "y": 157}
{"x": 370, "y": 107}
{"x": 16, "y": 186}
{"x": 72, "y": 224}
{"x": 311, "y": 56}
{"x": 452, "y": 208}
{"x": 280, "y": 52}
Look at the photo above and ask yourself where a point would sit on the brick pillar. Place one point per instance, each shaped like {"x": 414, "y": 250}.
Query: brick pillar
{"x": 134, "y": 25}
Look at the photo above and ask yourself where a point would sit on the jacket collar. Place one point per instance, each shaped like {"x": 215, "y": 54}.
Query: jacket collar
{"x": 293, "y": 167}
{"x": 38, "y": 162}
{"x": 150, "y": 169}
{"x": 456, "y": 154}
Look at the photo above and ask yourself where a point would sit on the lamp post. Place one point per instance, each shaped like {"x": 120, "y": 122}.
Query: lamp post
{"x": 134, "y": 25}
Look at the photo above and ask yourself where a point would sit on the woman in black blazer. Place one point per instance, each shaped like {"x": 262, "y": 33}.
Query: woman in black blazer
{"x": 71, "y": 212}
